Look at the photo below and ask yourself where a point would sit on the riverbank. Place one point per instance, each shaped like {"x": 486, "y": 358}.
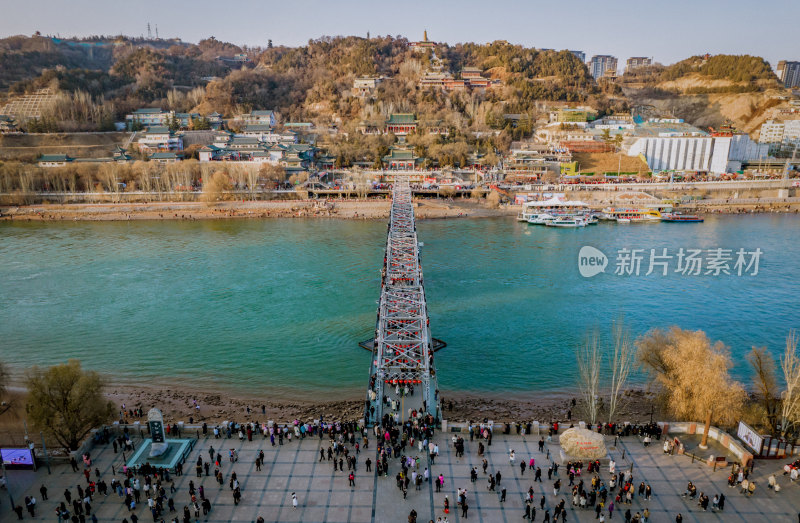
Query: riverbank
{"x": 178, "y": 405}
{"x": 366, "y": 209}
{"x": 359, "y": 209}
{"x": 215, "y": 407}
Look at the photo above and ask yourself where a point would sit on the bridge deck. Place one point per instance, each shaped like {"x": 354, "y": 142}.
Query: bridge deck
{"x": 402, "y": 373}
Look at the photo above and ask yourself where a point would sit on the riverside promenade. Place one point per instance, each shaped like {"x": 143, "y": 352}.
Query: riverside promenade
{"x": 326, "y": 496}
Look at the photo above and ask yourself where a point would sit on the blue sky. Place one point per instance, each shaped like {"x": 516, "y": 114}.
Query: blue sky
{"x": 665, "y": 30}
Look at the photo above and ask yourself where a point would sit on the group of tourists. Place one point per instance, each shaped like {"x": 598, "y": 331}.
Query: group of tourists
{"x": 149, "y": 486}
{"x": 792, "y": 470}
{"x": 703, "y": 500}
{"x": 407, "y": 441}
{"x": 339, "y": 454}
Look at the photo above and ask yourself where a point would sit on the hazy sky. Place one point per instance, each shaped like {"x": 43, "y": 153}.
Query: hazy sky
{"x": 667, "y": 30}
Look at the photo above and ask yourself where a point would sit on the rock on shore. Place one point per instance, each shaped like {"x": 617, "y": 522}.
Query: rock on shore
{"x": 582, "y": 443}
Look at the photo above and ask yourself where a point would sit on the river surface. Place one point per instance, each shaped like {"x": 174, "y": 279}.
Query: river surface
{"x": 276, "y": 308}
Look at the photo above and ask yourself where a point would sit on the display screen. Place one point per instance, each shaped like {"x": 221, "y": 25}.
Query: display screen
{"x": 13, "y": 457}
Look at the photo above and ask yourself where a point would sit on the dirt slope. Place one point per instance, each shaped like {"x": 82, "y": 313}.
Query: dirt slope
{"x": 747, "y": 111}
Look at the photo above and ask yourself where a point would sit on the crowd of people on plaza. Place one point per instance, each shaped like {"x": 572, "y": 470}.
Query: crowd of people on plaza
{"x": 154, "y": 487}
{"x": 405, "y": 449}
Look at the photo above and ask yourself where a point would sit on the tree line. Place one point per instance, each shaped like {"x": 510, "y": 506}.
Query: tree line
{"x": 20, "y": 181}
{"x": 690, "y": 376}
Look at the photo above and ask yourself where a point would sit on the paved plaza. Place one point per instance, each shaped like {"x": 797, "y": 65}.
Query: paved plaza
{"x": 326, "y": 496}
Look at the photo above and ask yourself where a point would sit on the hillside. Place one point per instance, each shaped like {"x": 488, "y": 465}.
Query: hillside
{"x": 98, "y": 80}
{"x": 312, "y": 83}
{"x": 746, "y": 110}
{"x": 23, "y": 57}
{"x": 707, "y": 91}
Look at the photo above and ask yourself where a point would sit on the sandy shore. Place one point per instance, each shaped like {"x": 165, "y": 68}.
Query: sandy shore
{"x": 343, "y": 209}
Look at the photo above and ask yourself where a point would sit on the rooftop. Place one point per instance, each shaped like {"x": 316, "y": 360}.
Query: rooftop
{"x": 257, "y": 128}
{"x": 55, "y": 158}
{"x": 401, "y": 118}
{"x": 158, "y": 129}
{"x": 163, "y": 156}
{"x": 652, "y": 129}
{"x": 244, "y": 140}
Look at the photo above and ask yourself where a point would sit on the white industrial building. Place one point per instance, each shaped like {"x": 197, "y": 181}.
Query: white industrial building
{"x": 692, "y": 153}
{"x": 668, "y": 146}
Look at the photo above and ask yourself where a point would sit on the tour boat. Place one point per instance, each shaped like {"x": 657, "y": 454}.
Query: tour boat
{"x": 540, "y": 218}
{"x": 633, "y": 215}
{"x": 540, "y": 212}
{"x": 681, "y": 218}
{"x": 525, "y": 215}
{"x": 591, "y": 218}
{"x": 567, "y": 221}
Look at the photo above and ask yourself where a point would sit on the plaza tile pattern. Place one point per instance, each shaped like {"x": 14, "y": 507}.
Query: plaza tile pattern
{"x": 325, "y": 495}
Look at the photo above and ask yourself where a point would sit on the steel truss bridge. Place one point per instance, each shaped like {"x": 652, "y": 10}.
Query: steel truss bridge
{"x": 403, "y": 348}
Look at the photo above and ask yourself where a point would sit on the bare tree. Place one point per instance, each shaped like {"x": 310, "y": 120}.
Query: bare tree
{"x": 693, "y": 376}
{"x": 448, "y": 191}
{"x": 217, "y": 187}
{"x": 67, "y": 401}
{"x": 273, "y": 173}
{"x": 109, "y": 178}
{"x": 790, "y": 399}
{"x": 238, "y": 176}
{"x": 589, "y": 359}
{"x": 360, "y": 182}
{"x": 763, "y": 365}
{"x": 252, "y": 182}
{"x": 621, "y": 363}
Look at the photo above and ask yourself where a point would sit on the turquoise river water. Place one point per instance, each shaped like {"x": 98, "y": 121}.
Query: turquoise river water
{"x": 276, "y": 307}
